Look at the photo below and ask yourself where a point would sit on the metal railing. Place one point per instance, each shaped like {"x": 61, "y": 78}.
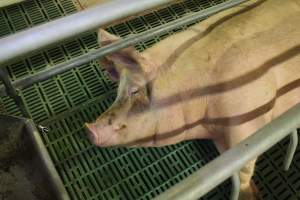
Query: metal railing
{"x": 19, "y": 44}
{"x": 214, "y": 173}
{"x": 195, "y": 186}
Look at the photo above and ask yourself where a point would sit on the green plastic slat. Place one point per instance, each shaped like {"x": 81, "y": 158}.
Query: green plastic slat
{"x": 272, "y": 181}
{"x": 35, "y": 103}
{"x": 37, "y": 62}
{"x": 66, "y": 6}
{"x": 35, "y": 15}
{"x": 17, "y": 18}
{"x": 10, "y": 106}
{"x": 51, "y": 9}
{"x": 4, "y": 25}
{"x": 66, "y": 101}
{"x": 2, "y": 108}
{"x": 18, "y": 70}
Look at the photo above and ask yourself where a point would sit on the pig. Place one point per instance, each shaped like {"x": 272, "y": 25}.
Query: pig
{"x": 221, "y": 79}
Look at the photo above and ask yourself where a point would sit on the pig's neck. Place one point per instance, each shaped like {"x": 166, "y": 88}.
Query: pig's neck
{"x": 172, "y": 83}
{"x": 174, "y": 96}
{"x": 175, "y": 105}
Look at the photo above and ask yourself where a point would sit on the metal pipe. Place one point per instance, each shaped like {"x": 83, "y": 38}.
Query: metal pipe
{"x": 116, "y": 46}
{"x": 19, "y": 44}
{"x": 13, "y": 93}
{"x": 235, "y": 182}
{"x": 214, "y": 173}
{"x": 291, "y": 150}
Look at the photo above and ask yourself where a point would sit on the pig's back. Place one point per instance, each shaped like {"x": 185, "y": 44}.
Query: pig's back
{"x": 252, "y": 63}
{"x": 266, "y": 30}
{"x": 236, "y": 55}
{"x": 190, "y": 51}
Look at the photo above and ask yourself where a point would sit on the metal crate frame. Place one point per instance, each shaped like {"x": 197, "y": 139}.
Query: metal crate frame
{"x": 17, "y": 94}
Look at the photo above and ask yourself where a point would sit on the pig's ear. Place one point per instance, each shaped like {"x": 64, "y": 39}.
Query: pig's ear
{"x": 105, "y": 37}
{"x": 116, "y": 62}
{"x": 125, "y": 57}
{"x": 110, "y": 68}
{"x": 140, "y": 66}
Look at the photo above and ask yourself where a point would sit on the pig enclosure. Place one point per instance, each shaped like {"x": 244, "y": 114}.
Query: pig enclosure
{"x": 65, "y": 102}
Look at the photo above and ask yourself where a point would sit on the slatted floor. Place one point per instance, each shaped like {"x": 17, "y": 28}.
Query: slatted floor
{"x": 65, "y": 102}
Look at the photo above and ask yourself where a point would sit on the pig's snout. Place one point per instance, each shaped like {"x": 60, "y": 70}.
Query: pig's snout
{"x": 92, "y": 133}
{"x": 99, "y": 135}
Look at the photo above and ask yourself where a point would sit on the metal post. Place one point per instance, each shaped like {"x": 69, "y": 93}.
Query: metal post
{"x": 129, "y": 41}
{"x": 291, "y": 150}
{"x": 11, "y": 91}
{"x": 214, "y": 173}
{"x": 235, "y": 191}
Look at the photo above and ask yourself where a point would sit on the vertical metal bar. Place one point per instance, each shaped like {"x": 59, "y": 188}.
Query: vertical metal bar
{"x": 235, "y": 191}
{"x": 291, "y": 150}
{"x": 12, "y": 92}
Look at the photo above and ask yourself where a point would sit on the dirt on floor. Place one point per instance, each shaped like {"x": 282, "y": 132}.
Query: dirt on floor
{"x": 21, "y": 175}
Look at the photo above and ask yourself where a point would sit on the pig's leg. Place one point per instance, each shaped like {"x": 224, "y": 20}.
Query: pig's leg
{"x": 234, "y": 135}
{"x": 248, "y": 190}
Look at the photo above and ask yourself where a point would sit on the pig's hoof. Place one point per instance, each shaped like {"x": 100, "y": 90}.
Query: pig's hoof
{"x": 255, "y": 191}
{"x": 250, "y": 193}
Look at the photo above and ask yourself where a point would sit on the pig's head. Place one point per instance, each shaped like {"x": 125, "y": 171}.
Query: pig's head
{"x": 129, "y": 119}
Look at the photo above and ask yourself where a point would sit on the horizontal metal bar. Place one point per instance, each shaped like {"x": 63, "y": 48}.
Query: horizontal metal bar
{"x": 19, "y": 44}
{"x": 129, "y": 41}
{"x": 214, "y": 173}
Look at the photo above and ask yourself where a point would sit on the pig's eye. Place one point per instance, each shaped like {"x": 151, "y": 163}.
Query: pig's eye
{"x": 133, "y": 91}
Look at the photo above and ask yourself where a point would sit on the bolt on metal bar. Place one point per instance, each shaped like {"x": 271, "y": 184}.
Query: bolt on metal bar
{"x": 214, "y": 173}
{"x": 235, "y": 191}
{"x": 116, "y": 46}
{"x": 31, "y": 40}
{"x": 291, "y": 150}
{"x": 12, "y": 92}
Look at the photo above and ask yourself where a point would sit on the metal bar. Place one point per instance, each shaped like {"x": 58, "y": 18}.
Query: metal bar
{"x": 12, "y": 92}
{"x": 291, "y": 150}
{"x": 235, "y": 191}
{"x": 129, "y": 41}
{"x": 214, "y": 173}
{"x": 19, "y": 44}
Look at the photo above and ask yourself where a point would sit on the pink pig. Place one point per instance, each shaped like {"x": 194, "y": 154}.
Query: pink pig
{"x": 221, "y": 79}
